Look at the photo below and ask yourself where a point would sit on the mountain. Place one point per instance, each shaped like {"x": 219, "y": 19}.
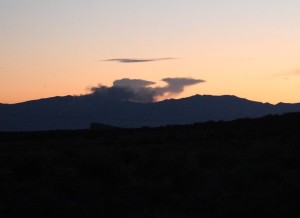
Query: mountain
{"x": 78, "y": 112}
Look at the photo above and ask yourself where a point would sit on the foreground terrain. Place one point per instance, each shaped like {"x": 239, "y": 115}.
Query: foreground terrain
{"x": 243, "y": 168}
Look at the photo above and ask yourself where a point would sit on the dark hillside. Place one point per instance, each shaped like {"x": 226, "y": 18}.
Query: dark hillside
{"x": 242, "y": 168}
{"x": 77, "y": 112}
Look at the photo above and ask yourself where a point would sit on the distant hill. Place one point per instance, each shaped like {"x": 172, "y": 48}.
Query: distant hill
{"x": 78, "y": 112}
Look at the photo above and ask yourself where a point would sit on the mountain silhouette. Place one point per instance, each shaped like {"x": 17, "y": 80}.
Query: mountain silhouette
{"x": 78, "y": 112}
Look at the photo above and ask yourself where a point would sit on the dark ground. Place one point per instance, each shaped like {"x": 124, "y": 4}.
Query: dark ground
{"x": 244, "y": 168}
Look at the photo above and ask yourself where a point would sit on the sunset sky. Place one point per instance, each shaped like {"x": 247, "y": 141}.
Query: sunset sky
{"x": 250, "y": 49}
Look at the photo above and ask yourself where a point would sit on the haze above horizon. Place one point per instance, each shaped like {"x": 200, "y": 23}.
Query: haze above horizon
{"x": 249, "y": 49}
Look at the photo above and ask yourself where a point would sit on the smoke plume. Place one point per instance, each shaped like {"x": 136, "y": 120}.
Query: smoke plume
{"x": 138, "y": 90}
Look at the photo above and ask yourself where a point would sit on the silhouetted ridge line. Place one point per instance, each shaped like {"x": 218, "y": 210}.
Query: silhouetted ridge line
{"x": 78, "y": 112}
{"x": 101, "y": 126}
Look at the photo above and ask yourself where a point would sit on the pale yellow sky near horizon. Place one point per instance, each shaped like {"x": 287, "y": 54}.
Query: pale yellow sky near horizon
{"x": 242, "y": 48}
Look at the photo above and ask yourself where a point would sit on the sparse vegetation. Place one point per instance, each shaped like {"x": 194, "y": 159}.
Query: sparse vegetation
{"x": 243, "y": 168}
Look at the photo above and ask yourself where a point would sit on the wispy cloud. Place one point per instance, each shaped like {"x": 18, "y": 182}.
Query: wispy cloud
{"x": 287, "y": 74}
{"x": 142, "y": 90}
{"x": 133, "y": 60}
{"x": 295, "y": 72}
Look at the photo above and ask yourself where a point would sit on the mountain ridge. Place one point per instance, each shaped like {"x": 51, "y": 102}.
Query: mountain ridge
{"x": 78, "y": 112}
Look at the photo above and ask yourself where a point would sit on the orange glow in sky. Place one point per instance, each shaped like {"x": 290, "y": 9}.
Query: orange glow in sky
{"x": 249, "y": 49}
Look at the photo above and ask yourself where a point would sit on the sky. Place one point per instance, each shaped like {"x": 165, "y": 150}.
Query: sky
{"x": 250, "y": 49}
